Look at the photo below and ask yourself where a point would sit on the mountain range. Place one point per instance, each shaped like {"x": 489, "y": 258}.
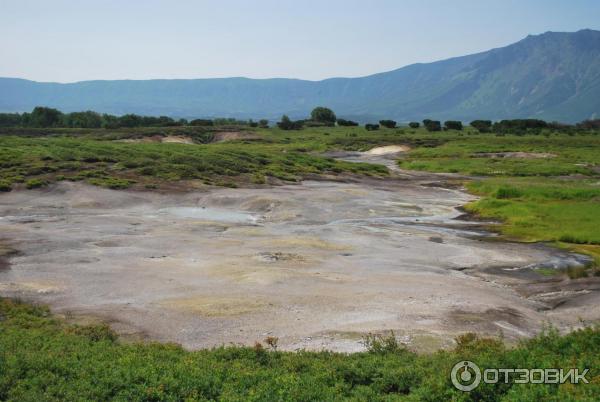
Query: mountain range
{"x": 551, "y": 76}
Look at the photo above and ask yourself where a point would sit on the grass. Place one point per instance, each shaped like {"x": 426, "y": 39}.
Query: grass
{"x": 555, "y": 198}
{"x": 541, "y": 209}
{"x": 95, "y": 156}
{"x": 568, "y": 155}
{"x": 44, "y": 358}
{"x": 118, "y": 165}
{"x": 560, "y": 210}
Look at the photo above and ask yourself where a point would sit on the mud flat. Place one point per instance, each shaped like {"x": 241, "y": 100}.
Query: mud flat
{"x": 316, "y": 264}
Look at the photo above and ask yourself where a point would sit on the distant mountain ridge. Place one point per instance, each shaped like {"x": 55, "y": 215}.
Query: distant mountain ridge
{"x": 552, "y": 76}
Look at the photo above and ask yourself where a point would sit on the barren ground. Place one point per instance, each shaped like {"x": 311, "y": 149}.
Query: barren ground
{"x": 317, "y": 264}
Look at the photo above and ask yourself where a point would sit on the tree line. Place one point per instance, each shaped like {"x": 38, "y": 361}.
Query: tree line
{"x": 45, "y": 117}
{"x": 322, "y": 116}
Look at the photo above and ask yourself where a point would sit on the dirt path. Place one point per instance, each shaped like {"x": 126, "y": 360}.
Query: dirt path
{"x": 317, "y": 264}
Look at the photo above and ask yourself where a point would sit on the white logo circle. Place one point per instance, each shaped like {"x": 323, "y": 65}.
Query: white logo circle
{"x": 467, "y": 370}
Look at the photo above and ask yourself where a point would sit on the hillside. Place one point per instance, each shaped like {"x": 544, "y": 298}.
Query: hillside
{"x": 554, "y": 76}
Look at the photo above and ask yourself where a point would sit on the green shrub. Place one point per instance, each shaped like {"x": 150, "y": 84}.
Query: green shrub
{"x": 453, "y": 125}
{"x": 44, "y": 358}
{"x": 5, "y": 185}
{"x": 381, "y": 344}
{"x": 258, "y": 178}
{"x": 111, "y": 182}
{"x": 287, "y": 124}
{"x": 388, "y": 123}
{"x": 346, "y": 123}
{"x": 483, "y": 126}
{"x": 508, "y": 192}
{"x": 35, "y": 183}
{"x": 432, "y": 125}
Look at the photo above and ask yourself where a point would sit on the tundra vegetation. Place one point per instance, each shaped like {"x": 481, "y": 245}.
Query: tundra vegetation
{"x": 45, "y": 358}
{"x": 540, "y": 179}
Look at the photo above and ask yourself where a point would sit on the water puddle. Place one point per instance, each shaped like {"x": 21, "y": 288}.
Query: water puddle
{"x": 212, "y": 214}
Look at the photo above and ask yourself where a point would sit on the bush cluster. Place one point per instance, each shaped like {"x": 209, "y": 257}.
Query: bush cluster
{"x": 387, "y": 123}
{"x": 453, "y": 125}
{"x": 346, "y": 123}
{"x": 287, "y": 124}
{"x": 432, "y": 125}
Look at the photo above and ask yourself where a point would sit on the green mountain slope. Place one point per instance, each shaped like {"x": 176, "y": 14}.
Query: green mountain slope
{"x": 554, "y": 76}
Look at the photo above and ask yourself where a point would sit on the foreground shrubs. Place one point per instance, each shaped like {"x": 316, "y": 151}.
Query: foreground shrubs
{"x": 43, "y": 358}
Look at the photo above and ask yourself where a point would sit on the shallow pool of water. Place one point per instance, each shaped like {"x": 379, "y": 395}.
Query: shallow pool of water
{"x": 211, "y": 214}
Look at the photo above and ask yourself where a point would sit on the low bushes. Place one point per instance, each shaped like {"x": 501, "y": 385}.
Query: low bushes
{"x": 35, "y": 183}
{"x": 43, "y": 358}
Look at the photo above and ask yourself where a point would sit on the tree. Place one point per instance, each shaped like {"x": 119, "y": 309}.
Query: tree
{"x": 432, "y": 125}
{"x": 10, "y": 120}
{"x": 483, "y": 126}
{"x": 44, "y": 117}
{"x": 371, "y": 127}
{"x": 87, "y": 119}
{"x": 323, "y": 115}
{"x": 520, "y": 126}
{"x": 130, "y": 120}
{"x": 110, "y": 121}
{"x": 589, "y": 124}
{"x": 388, "y": 123}
{"x": 414, "y": 124}
{"x": 263, "y": 123}
{"x": 287, "y": 124}
{"x": 453, "y": 125}
{"x": 347, "y": 123}
{"x": 201, "y": 122}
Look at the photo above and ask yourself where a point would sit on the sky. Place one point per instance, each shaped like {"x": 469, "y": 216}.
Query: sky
{"x": 68, "y": 40}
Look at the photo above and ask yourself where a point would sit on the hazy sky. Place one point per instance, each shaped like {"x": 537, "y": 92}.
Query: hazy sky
{"x": 62, "y": 40}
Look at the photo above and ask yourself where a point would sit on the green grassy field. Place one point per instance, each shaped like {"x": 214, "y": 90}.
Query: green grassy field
{"x": 119, "y": 165}
{"x": 564, "y": 155}
{"x": 550, "y": 193}
{"x": 43, "y": 358}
